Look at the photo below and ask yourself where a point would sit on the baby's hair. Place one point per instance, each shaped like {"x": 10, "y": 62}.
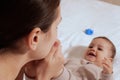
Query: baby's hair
{"x": 113, "y": 49}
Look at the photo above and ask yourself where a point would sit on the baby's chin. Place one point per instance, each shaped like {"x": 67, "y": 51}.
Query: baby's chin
{"x": 91, "y": 59}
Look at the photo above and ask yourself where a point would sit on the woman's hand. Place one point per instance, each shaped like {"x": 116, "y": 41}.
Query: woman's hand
{"x": 49, "y": 67}
{"x": 52, "y": 65}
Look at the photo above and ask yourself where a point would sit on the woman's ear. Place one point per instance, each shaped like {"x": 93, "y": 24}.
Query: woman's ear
{"x": 33, "y": 38}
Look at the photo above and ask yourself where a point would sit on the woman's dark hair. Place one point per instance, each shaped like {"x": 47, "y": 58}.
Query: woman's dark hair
{"x": 19, "y": 17}
{"x": 113, "y": 48}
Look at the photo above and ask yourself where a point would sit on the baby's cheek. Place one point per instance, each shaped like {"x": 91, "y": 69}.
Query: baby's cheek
{"x": 100, "y": 59}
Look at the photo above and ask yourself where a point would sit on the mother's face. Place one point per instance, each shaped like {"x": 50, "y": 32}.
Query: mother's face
{"x": 49, "y": 37}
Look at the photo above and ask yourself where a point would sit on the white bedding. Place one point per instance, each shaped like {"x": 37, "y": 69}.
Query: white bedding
{"x": 78, "y": 15}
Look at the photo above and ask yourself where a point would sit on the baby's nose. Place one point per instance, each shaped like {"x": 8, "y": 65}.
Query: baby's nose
{"x": 93, "y": 49}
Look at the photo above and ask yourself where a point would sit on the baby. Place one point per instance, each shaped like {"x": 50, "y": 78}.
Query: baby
{"x": 96, "y": 65}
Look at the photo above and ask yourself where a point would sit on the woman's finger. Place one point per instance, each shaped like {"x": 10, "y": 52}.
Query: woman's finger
{"x": 52, "y": 51}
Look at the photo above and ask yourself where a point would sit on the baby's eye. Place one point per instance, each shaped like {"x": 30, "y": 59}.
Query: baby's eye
{"x": 100, "y": 49}
{"x": 90, "y": 46}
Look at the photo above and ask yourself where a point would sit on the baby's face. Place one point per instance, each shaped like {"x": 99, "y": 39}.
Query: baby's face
{"x": 98, "y": 50}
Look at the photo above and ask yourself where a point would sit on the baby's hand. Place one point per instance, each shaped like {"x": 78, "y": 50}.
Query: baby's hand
{"x": 107, "y": 66}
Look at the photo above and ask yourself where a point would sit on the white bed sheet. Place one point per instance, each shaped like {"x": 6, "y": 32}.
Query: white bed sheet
{"x": 78, "y": 15}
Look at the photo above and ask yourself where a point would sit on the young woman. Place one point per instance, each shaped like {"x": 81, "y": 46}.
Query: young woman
{"x": 27, "y": 32}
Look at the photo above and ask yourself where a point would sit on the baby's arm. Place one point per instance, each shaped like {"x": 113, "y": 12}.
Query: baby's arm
{"x": 66, "y": 75}
{"x": 107, "y": 76}
{"x": 107, "y": 73}
{"x": 69, "y": 70}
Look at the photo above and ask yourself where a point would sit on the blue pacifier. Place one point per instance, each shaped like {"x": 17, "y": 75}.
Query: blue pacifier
{"x": 89, "y": 31}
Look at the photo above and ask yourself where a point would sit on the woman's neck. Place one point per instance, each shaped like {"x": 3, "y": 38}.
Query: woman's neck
{"x": 10, "y": 66}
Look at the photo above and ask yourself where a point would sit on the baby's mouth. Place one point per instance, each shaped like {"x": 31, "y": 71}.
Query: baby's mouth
{"x": 92, "y": 54}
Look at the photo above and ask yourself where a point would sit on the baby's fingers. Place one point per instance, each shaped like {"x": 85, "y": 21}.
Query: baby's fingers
{"x": 107, "y": 66}
{"x": 108, "y": 61}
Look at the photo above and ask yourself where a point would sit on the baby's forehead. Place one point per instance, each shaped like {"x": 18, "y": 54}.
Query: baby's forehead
{"x": 103, "y": 40}
{"x": 103, "y": 43}
{"x": 100, "y": 41}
